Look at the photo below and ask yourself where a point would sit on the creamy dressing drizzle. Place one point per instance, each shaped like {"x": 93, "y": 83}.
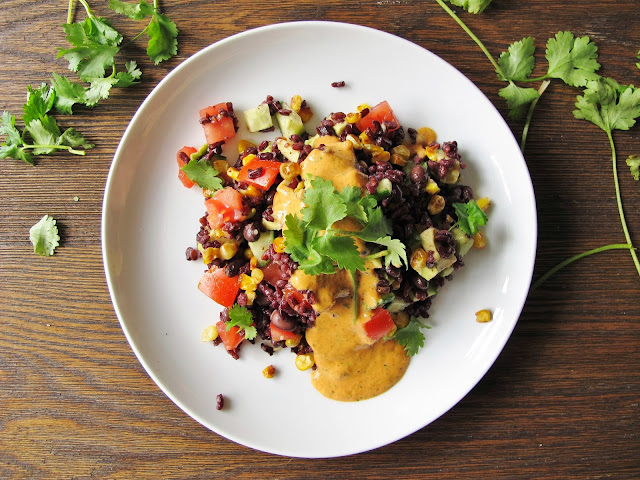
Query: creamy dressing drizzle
{"x": 349, "y": 366}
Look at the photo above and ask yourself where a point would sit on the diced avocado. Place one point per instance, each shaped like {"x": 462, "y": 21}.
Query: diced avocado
{"x": 261, "y": 245}
{"x": 446, "y": 272}
{"x": 258, "y": 118}
{"x": 397, "y": 305}
{"x": 428, "y": 239}
{"x": 384, "y": 188}
{"x": 268, "y": 148}
{"x": 310, "y": 140}
{"x": 290, "y": 124}
{"x": 196, "y": 155}
{"x": 429, "y": 245}
{"x": 431, "y": 291}
{"x": 287, "y": 150}
{"x": 442, "y": 264}
{"x": 271, "y": 225}
{"x": 463, "y": 242}
{"x": 339, "y": 127}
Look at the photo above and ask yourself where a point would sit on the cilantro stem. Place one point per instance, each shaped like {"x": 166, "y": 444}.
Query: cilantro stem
{"x": 525, "y": 130}
{"x": 473, "y": 37}
{"x": 87, "y": 9}
{"x": 537, "y": 79}
{"x": 619, "y": 201}
{"x": 70, "y": 12}
{"x": 140, "y": 34}
{"x": 561, "y": 265}
{"x": 356, "y": 300}
{"x": 57, "y": 147}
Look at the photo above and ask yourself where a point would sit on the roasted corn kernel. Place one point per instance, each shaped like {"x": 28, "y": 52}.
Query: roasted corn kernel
{"x": 248, "y": 158}
{"x": 209, "y": 334}
{"x": 228, "y": 250}
{"x": 382, "y": 156}
{"x": 436, "y": 204}
{"x": 305, "y": 114}
{"x": 251, "y": 297}
{"x": 248, "y": 254}
{"x": 247, "y": 283}
{"x": 432, "y": 187}
{"x": 484, "y": 203}
{"x": 269, "y": 371}
{"x": 427, "y": 134}
{"x": 252, "y": 191}
{"x": 278, "y": 245}
{"x": 233, "y": 173}
{"x": 289, "y": 170}
{"x": 362, "y": 107}
{"x": 209, "y": 254}
{"x": 293, "y": 342}
{"x": 418, "y": 259}
{"x": 399, "y": 160}
{"x": 296, "y": 103}
{"x": 483, "y": 316}
{"x": 478, "y": 240}
{"x": 353, "y": 117}
{"x": 257, "y": 275}
{"x": 220, "y": 165}
{"x": 253, "y": 262}
{"x": 304, "y": 362}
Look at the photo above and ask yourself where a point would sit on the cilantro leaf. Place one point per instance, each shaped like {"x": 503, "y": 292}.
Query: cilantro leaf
{"x": 573, "y": 60}
{"x": 68, "y": 93}
{"x": 396, "y": 251}
{"x": 99, "y": 88}
{"x": 518, "y": 99}
{"x": 340, "y": 248}
{"x": 163, "y": 43}
{"x": 633, "y": 162}
{"x": 13, "y": 146}
{"x": 137, "y": 11}
{"x": 203, "y": 174}
{"x": 44, "y": 132}
{"x": 517, "y": 62}
{"x": 241, "y": 317}
{"x": 39, "y": 102}
{"x": 72, "y": 138}
{"x": 95, "y": 44}
{"x": 411, "y": 337}
{"x": 471, "y": 6}
{"x": 130, "y": 77}
{"x": 470, "y": 216}
{"x": 44, "y": 236}
{"x": 609, "y": 105}
{"x": 323, "y": 206}
{"x": 376, "y": 227}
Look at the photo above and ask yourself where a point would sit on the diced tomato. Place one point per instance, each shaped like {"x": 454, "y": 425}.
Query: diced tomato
{"x": 220, "y": 127}
{"x": 382, "y": 113}
{"x": 379, "y": 325}
{"x": 216, "y": 285}
{"x": 230, "y": 338}
{"x": 273, "y": 273}
{"x": 264, "y": 178}
{"x": 277, "y": 334}
{"x": 181, "y": 163}
{"x": 225, "y": 206}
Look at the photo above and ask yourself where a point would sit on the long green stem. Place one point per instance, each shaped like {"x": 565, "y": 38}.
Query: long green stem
{"x": 70, "y": 12}
{"x": 554, "y": 270}
{"x": 473, "y": 37}
{"x": 57, "y": 147}
{"x": 87, "y": 8}
{"x": 532, "y": 107}
{"x": 356, "y": 300}
{"x": 619, "y": 200}
{"x": 537, "y": 79}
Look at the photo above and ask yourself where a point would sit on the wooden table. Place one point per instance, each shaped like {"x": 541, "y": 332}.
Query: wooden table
{"x": 562, "y": 401}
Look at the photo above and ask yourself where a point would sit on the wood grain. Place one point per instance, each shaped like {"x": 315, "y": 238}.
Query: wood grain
{"x": 562, "y": 401}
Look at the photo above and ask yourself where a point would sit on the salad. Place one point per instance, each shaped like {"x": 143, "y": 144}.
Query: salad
{"x": 331, "y": 244}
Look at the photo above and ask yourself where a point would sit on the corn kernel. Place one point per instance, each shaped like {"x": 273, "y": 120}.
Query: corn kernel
{"x": 244, "y": 144}
{"x": 247, "y": 159}
{"x": 278, "y": 245}
{"x": 293, "y": 342}
{"x": 251, "y": 296}
{"x": 371, "y": 148}
{"x": 233, "y": 173}
{"x": 364, "y": 138}
{"x": 305, "y": 113}
{"x": 252, "y": 191}
{"x": 484, "y": 203}
{"x": 483, "y": 316}
{"x": 209, "y": 334}
{"x": 432, "y": 187}
{"x": 401, "y": 150}
{"x": 432, "y": 153}
{"x": 305, "y": 362}
{"x": 220, "y": 165}
{"x": 398, "y": 160}
{"x": 478, "y": 240}
{"x": 428, "y": 135}
{"x": 209, "y": 254}
{"x": 382, "y": 156}
{"x": 296, "y": 103}
{"x": 218, "y": 233}
{"x": 257, "y": 275}
{"x": 228, "y": 250}
{"x": 248, "y": 254}
{"x": 200, "y": 248}
{"x": 300, "y": 187}
{"x": 353, "y": 117}
{"x": 289, "y": 170}
{"x": 418, "y": 259}
{"x": 247, "y": 283}
{"x": 436, "y": 204}
{"x": 269, "y": 371}
{"x": 253, "y": 262}
{"x": 363, "y": 106}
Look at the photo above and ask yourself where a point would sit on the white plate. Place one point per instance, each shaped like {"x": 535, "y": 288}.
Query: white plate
{"x": 149, "y": 219}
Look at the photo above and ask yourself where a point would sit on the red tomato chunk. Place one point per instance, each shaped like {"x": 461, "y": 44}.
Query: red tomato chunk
{"x": 379, "y": 325}
{"x": 182, "y": 162}
{"x": 217, "y": 126}
{"x": 230, "y": 338}
{"x": 216, "y": 285}
{"x": 260, "y": 173}
{"x": 381, "y": 113}
{"x": 225, "y": 206}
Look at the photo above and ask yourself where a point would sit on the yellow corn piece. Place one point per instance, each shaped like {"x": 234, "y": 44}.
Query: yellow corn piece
{"x": 432, "y": 187}
{"x": 257, "y": 275}
{"x": 401, "y": 150}
{"x": 209, "y": 254}
{"x": 362, "y": 106}
{"x": 244, "y": 144}
{"x": 247, "y": 159}
{"x": 220, "y": 165}
{"x": 252, "y": 191}
{"x": 483, "y": 316}
{"x": 432, "y": 153}
{"x": 228, "y": 250}
{"x": 200, "y": 249}
{"x": 305, "y": 362}
{"x": 289, "y": 170}
{"x": 478, "y": 240}
{"x": 484, "y": 203}
{"x": 278, "y": 245}
{"x": 253, "y": 262}
{"x": 248, "y": 254}
{"x": 428, "y": 135}
{"x": 209, "y": 334}
{"x": 353, "y": 117}
{"x": 399, "y": 160}
{"x": 382, "y": 156}
{"x": 418, "y": 259}
{"x": 269, "y": 371}
{"x": 296, "y": 103}
{"x": 293, "y": 342}
{"x": 247, "y": 283}
{"x": 233, "y": 173}
{"x": 364, "y": 138}
{"x": 300, "y": 187}
{"x": 251, "y": 296}
{"x": 436, "y": 205}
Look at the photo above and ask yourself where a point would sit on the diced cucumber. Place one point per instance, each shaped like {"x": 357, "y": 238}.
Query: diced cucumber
{"x": 260, "y": 246}
{"x": 287, "y": 150}
{"x": 397, "y": 305}
{"x": 463, "y": 242}
{"x": 271, "y": 225}
{"x": 384, "y": 188}
{"x": 339, "y": 127}
{"x": 290, "y": 124}
{"x": 258, "y": 118}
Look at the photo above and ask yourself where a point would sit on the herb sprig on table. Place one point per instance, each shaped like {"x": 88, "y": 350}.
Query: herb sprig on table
{"x": 605, "y": 102}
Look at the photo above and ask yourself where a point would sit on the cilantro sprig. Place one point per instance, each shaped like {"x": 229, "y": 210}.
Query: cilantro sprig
{"x": 203, "y": 174}
{"x": 241, "y": 317}
{"x": 411, "y": 337}
{"x": 44, "y": 236}
{"x": 470, "y": 217}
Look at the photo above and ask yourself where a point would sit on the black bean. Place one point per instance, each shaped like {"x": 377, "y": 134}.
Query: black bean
{"x": 251, "y": 232}
{"x": 418, "y": 174}
{"x": 283, "y": 322}
{"x": 192, "y": 253}
{"x": 232, "y": 268}
{"x": 420, "y": 283}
